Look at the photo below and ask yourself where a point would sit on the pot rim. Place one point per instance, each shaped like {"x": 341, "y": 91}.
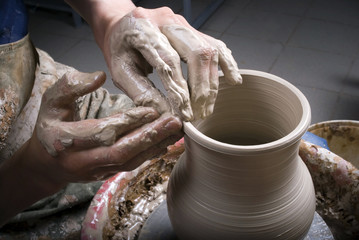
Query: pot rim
{"x": 291, "y": 138}
{"x": 340, "y": 122}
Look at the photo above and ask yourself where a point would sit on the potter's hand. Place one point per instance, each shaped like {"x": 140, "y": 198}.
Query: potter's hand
{"x": 94, "y": 149}
{"x": 158, "y": 38}
{"x": 62, "y": 151}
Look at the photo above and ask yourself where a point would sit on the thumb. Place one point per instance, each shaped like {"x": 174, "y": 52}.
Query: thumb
{"x": 71, "y": 86}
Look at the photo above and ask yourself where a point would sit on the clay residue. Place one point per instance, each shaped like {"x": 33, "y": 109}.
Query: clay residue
{"x": 337, "y": 189}
{"x": 130, "y": 69}
{"x": 342, "y": 137}
{"x": 8, "y": 111}
{"x": 202, "y": 54}
{"x": 202, "y": 60}
{"x": 132, "y": 205}
{"x": 19, "y": 59}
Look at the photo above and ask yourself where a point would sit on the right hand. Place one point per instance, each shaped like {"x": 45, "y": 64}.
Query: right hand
{"x": 158, "y": 38}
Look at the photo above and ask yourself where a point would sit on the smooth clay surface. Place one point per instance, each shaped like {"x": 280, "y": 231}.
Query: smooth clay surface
{"x": 240, "y": 176}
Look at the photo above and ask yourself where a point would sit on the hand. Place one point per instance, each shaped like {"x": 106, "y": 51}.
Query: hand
{"x": 158, "y": 38}
{"x": 62, "y": 151}
{"x": 95, "y": 149}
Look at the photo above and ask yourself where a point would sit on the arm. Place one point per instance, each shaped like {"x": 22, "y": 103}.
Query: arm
{"x": 101, "y": 15}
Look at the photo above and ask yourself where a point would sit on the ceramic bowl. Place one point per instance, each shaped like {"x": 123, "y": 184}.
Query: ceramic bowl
{"x": 336, "y": 176}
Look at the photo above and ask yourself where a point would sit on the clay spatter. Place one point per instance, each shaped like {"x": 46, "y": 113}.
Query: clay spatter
{"x": 138, "y": 197}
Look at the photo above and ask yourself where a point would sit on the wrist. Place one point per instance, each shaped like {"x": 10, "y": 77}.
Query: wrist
{"x": 101, "y": 15}
{"x": 40, "y": 167}
{"x": 22, "y": 184}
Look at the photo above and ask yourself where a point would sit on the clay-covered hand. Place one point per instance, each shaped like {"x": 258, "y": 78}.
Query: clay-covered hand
{"x": 157, "y": 38}
{"x": 95, "y": 149}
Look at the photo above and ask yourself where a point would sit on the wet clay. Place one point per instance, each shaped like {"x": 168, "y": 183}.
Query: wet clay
{"x": 137, "y": 198}
{"x": 57, "y": 132}
{"x": 163, "y": 47}
{"x": 335, "y": 178}
{"x": 98, "y": 104}
{"x": 23, "y": 126}
{"x": 8, "y": 102}
{"x": 141, "y": 35}
{"x": 202, "y": 61}
{"x": 342, "y": 137}
{"x": 337, "y": 191}
{"x": 254, "y": 185}
{"x": 202, "y": 55}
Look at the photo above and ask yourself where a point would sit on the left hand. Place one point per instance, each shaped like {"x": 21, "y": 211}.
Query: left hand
{"x": 158, "y": 38}
{"x": 94, "y": 149}
{"x": 61, "y": 150}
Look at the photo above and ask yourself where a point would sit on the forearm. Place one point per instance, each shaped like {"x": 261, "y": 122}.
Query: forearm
{"x": 101, "y": 14}
{"x": 20, "y": 184}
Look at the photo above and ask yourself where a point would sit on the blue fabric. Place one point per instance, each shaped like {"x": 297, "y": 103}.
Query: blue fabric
{"x": 314, "y": 139}
{"x": 13, "y": 21}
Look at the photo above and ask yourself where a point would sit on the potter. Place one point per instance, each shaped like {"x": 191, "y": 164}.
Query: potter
{"x": 241, "y": 176}
{"x": 41, "y": 157}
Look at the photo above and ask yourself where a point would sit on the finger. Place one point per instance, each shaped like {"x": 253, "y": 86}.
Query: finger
{"x": 137, "y": 86}
{"x": 226, "y": 61}
{"x": 151, "y": 152}
{"x": 104, "y": 172}
{"x": 213, "y": 86}
{"x": 145, "y": 137}
{"x": 136, "y": 142}
{"x": 71, "y": 86}
{"x": 200, "y": 58}
{"x": 99, "y": 132}
{"x": 129, "y": 69}
{"x": 159, "y": 53}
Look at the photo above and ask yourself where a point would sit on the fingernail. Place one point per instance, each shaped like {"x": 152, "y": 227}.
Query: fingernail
{"x": 81, "y": 83}
{"x": 174, "y": 124}
{"x": 239, "y": 78}
{"x": 209, "y": 109}
{"x": 187, "y": 114}
{"x": 150, "y": 116}
{"x": 236, "y": 78}
{"x": 91, "y": 77}
{"x": 233, "y": 78}
{"x": 204, "y": 114}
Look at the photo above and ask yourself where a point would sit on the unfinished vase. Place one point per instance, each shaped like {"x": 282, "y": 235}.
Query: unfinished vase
{"x": 240, "y": 176}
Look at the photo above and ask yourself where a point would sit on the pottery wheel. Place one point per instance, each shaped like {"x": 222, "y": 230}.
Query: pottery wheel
{"x": 158, "y": 227}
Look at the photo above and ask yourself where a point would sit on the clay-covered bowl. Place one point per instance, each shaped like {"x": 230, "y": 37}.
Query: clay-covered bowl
{"x": 342, "y": 137}
{"x": 335, "y": 175}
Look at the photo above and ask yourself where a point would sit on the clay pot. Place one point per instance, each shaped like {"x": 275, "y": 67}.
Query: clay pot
{"x": 240, "y": 176}
{"x": 336, "y": 175}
